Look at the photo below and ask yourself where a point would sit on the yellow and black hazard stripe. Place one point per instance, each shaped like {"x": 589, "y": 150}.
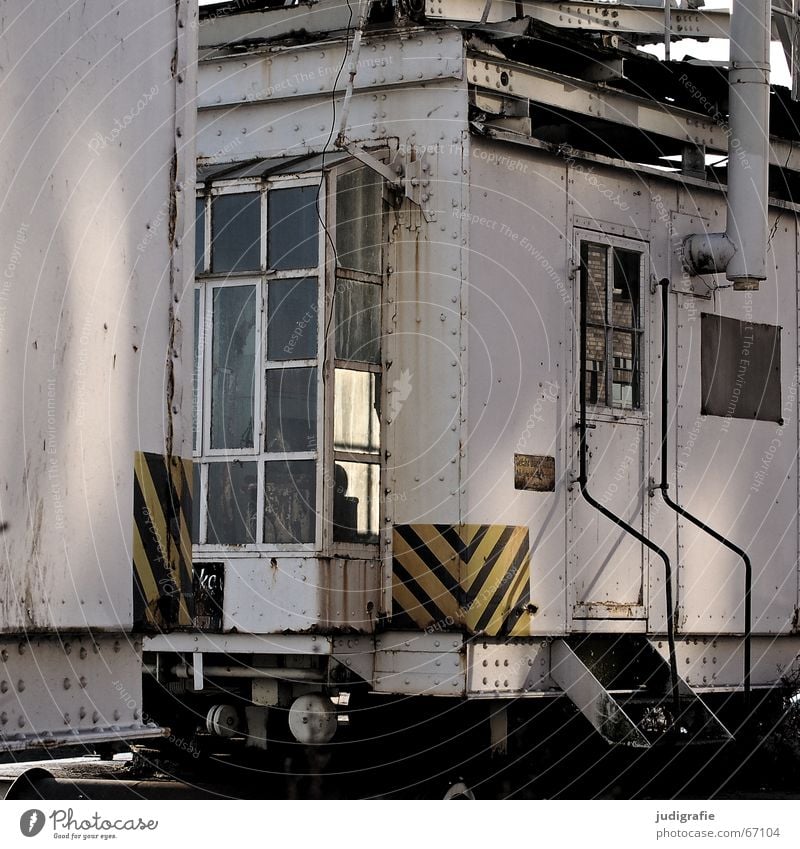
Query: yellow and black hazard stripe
{"x": 475, "y": 577}
{"x": 162, "y": 543}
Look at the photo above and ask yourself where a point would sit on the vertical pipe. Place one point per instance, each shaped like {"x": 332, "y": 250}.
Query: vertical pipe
{"x": 748, "y": 145}
{"x": 583, "y": 481}
{"x": 664, "y": 487}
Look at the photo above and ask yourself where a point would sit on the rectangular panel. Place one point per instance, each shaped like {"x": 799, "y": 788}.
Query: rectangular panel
{"x": 606, "y": 563}
{"x": 740, "y": 369}
{"x": 231, "y": 504}
{"x": 233, "y": 367}
{"x": 290, "y": 504}
{"x": 292, "y": 324}
{"x": 236, "y": 232}
{"x": 359, "y": 221}
{"x": 358, "y": 321}
{"x": 293, "y": 220}
{"x": 534, "y": 473}
{"x": 356, "y": 502}
{"x": 356, "y": 423}
{"x": 291, "y": 409}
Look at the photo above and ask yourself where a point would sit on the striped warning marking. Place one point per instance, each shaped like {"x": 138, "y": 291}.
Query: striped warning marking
{"x": 162, "y": 546}
{"x": 475, "y": 577}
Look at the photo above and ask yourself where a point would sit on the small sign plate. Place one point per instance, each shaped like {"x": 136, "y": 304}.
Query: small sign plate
{"x": 534, "y": 472}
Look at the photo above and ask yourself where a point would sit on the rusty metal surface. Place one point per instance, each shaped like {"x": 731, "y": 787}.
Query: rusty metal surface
{"x": 534, "y": 472}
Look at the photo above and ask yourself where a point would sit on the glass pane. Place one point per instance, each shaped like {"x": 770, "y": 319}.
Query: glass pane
{"x": 233, "y": 367}
{"x": 626, "y": 368}
{"x": 594, "y": 258}
{"x": 290, "y": 504}
{"x": 232, "y": 496}
{"x": 292, "y": 329}
{"x": 195, "y": 503}
{"x": 356, "y": 502}
{"x": 236, "y": 232}
{"x": 626, "y": 288}
{"x": 292, "y": 240}
{"x": 292, "y": 409}
{"x": 595, "y": 365}
{"x": 199, "y": 235}
{"x": 196, "y": 374}
{"x": 358, "y": 220}
{"x": 358, "y": 321}
{"x": 356, "y": 411}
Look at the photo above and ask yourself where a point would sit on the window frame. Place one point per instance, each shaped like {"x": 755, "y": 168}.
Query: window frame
{"x": 207, "y": 282}
{"x": 324, "y": 456}
{"x": 610, "y": 412}
{"x": 365, "y": 550}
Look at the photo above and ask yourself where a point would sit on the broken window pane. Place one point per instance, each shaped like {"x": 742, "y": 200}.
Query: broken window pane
{"x": 356, "y": 502}
{"x": 233, "y": 366}
{"x": 292, "y": 409}
{"x": 358, "y": 220}
{"x": 232, "y": 494}
{"x": 626, "y": 370}
{"x": 292, "y": 329}
{"x": 358, "y": 321}
{"x": 236, "y": 232}
{"x": 626, "y": 288}
{"x": 356, "y": 421}
{"x": 293, "y": 236}
{"x": 199, "y": 235}
{"x": 289, "y": 501}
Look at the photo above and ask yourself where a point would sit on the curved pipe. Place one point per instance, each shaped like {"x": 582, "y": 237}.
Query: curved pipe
{"x": 583, "y": 480}
{"x": 664, "y": 487}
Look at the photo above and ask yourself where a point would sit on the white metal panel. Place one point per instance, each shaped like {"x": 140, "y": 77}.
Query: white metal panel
{"x": 737, "y": 474}
{"x": 519, "y": 308}
{"x": 85, "y": 180}
{"x": 303, "y": 70}
{"x": 97, "y": 153}
{"x": 605, "y": 563}
{"x": 72, "y": 690}
{"x": 280, "y": 594}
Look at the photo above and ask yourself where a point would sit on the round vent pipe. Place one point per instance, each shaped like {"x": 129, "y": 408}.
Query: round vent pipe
{"x": 741, "y": 251}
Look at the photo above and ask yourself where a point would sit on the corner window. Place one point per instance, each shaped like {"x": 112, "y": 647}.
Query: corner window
{"x": 287, "y": 362}
{"x": 357, "y": 356}
{"x": 613, "y": 278}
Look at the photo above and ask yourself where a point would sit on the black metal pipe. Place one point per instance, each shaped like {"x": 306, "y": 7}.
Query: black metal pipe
{"x": 664, "y": 487}
{"x": 583, "y": 480}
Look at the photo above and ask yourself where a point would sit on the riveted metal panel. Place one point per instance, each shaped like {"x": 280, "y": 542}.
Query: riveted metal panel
{"x": 276, "y": 594}
{"x": 97, "y": 157}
